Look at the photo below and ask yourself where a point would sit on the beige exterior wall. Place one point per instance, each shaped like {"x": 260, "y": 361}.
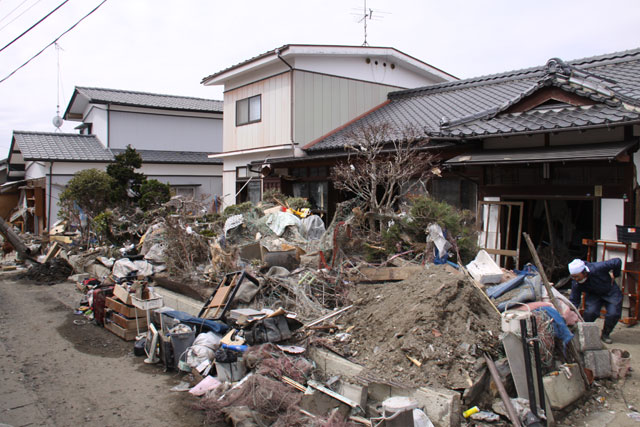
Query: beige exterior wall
{"x": 323, "y": 103}
{"x": 275, "y": 125}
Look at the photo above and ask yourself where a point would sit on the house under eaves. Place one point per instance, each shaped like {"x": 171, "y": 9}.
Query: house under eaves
{"x": 173, "y": 134}
{"x": 557, "y": 141}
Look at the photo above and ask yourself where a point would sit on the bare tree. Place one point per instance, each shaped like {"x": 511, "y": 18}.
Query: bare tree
{"x": 383, "y": 164}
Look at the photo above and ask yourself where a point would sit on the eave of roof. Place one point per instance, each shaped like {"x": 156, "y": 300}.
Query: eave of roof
{"x": 567, "y": 153}
{"x": 283, "y": 50}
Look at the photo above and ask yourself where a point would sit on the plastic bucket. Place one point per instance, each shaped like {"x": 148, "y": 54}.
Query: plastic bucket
{"x": 398, "y": 411}
{"x": 620, "y": 362}
{"x": 180, "y": 343}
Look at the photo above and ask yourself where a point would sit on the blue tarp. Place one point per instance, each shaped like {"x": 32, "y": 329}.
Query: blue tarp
{"x": 200, "y": 323}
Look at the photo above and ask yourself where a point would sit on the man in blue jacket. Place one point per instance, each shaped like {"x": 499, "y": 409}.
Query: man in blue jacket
{"x": 596, "y": 281}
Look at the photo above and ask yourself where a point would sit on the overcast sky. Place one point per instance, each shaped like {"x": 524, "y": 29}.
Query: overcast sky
{"x": 168, "y": 46}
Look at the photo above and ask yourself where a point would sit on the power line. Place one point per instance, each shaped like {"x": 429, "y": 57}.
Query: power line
{"x": 53, "y": 42}
{"x": 22, "y": 13}
{"x": 34, "y": 25}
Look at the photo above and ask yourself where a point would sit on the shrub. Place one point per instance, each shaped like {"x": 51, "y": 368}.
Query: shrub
{"x": 153, "y": 193}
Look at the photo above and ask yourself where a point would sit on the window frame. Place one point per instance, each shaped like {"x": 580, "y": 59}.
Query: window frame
{"x": 248, "y": 112}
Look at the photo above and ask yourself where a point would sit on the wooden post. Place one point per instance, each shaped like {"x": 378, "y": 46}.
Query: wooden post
{"x": 15, "y": 240}
{"x": 554, "y": 301}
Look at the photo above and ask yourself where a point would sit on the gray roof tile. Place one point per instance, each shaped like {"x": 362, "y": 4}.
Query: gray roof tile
{"x": 474, "y": 107}
{"x": 142, "y": 99}
{"x": 61, "y": 146}
{"x": 159, "y": 156}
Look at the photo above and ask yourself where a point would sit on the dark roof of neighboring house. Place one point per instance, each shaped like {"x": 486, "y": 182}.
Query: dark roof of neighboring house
{"x": 142, "y": 99}
{"x": 478, "y": 107}
{"x": 61, "y": 146}
{"x": 159, "y": 156}
{"x": 66, "y": 147}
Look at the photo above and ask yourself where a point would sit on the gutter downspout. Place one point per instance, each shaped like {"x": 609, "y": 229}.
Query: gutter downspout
{"x": 293, "y": 145}
{"x": 50, "y": 186}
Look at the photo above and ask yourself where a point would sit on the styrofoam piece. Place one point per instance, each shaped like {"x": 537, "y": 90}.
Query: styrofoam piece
{"x": 484, "y": 269}
{"x": 511, "y": 320}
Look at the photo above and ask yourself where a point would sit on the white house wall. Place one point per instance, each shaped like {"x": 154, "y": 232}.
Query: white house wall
{"x": 206, "y": 178}
{"x": 275, "y": 125}
{"x": 34, "y": 170}
{"x": 145, "y": 131}
{"x": 378, "y": 70}
{"x": 98, "y": 116}
{"x": 323, "y": 103}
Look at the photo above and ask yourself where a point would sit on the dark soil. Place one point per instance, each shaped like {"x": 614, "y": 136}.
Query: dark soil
{"x": 56, "y": 270}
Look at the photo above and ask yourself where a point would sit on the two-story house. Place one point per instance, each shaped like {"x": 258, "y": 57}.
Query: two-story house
{"x": 173, "y": 134}
{"x": 279, "y": 101}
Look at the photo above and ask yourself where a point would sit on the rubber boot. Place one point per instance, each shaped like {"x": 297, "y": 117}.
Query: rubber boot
{"x": 609, "y": 324}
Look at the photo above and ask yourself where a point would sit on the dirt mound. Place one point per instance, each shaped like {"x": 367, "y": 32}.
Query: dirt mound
{"x": 437, "y": 318}
{"x": 54, "y": 271}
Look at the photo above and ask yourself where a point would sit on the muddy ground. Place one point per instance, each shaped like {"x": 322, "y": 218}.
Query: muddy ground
{"x": 58, "y": 370}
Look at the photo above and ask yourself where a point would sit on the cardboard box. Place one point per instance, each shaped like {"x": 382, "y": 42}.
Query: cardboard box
{"x": 126, "y": 310}
{"x": 125, "y": 334}
{"x": 122, "y": 294}
{"x": 127, "y": 323}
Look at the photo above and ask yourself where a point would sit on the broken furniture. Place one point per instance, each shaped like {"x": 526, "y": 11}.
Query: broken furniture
{"x": 123, "y": 319}
{"x": 222, "y": 297}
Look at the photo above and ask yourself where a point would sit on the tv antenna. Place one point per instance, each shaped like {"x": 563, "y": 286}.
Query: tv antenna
{"x": 57, "y": 120}
{"x": 368, "y": 14}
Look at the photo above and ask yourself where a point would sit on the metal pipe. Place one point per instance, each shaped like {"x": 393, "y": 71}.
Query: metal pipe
{"x": 527, "y": 367}
{"x": 536, "y": 353}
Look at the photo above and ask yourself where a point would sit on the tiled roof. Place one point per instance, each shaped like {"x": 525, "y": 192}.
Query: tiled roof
{"x": 142, "y": 99}
{"x": 474, "y": 107}
{"x": 68, "y": 147}
{"x": 159, "y": 156}
{"x": 61, "y": 146}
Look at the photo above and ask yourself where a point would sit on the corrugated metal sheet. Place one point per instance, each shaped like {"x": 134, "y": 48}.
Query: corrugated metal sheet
{"x": 570, "y": 153}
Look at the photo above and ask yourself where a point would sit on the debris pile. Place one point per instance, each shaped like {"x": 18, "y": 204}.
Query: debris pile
{"x": 271, "y": 319}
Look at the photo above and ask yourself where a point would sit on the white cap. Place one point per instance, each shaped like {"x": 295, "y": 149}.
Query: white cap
{"x": 576, "y": 266}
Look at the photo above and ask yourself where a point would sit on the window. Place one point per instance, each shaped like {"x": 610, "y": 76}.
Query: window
{"x": 248, "y": 110}
{"x": 186, "y": 191}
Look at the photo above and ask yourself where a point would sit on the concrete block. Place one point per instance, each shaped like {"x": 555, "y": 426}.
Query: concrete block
{"x": 179, "y": 302}
{"x": 332, "y": 364}
{"x": 441, "y": 406}
{"x": 356, "y": 392}
{"x": 599, "y": 361}
{"x": 588, "y": 336}
{"x": 561, "y": 389}
{"x": 322, "y": 404}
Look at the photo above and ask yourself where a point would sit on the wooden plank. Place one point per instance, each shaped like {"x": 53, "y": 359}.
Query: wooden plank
{"x": 385, "y": 274}
{"x": 126, "y": 310}
{"x": 127, "y": 335}
{"x": 128, "y": 323}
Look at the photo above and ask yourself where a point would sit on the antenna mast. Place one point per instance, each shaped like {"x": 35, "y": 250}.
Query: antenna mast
{"x": 367, "y": 15}
{"x": 57, "y": 120}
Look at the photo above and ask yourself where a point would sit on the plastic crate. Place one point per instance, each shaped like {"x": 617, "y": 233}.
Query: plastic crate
{"x": 628, "y": 233}
{"x": 154, "y": 301}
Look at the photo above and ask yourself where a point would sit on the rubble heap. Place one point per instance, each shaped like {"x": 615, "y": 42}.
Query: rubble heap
{"x": 437, "y": 317}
